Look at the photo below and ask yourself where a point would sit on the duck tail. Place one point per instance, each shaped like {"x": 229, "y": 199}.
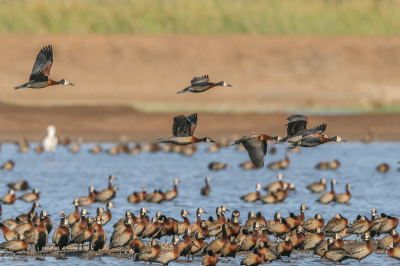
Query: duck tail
{"x": 22, "y": 86}
{"x": 184, "y": 90}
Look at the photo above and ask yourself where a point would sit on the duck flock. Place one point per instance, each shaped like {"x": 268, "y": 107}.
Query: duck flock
{"x": 214, "y": 239}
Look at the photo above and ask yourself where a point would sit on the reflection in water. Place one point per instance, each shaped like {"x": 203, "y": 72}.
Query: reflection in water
{"x": 70, "y": 175}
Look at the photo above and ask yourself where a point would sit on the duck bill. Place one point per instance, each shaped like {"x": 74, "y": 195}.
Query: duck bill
{"x": 70, "y": 84}
{"x": 228, "y": 85}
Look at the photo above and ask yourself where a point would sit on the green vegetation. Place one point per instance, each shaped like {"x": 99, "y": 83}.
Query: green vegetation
{"x": 273, "y": 17}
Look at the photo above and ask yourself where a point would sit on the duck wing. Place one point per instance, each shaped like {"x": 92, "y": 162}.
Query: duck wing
{"x": 200, "y": 79}
{"x": 297, "y": 125}
{"x": 257, "y": 150}
{"x": 184, "y": 126}
{"x": 316, "y": 130}
{"x": 38, "y": 77}
{"x": 44, "y": 61}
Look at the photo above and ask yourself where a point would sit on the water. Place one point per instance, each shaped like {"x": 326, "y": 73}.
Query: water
{"x": 70, "y": 175}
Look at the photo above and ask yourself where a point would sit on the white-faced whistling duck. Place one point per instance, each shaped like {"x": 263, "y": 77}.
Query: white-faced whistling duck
{"x": 65, "y": 142}
{"x": 78, "y": 226}
{"x": 393, "y": 250}
{"x": 281, "y": 164}
{"x": 106, "y": 194}
{"x": 96, "y": 149}
{"x": 216, "y": 245}
{"x": 335, "y": 164}
{"x": 302, "y": 217}
{"x": 149, "y": 252}
{"x": 121, "y": 228}
{"x": 210, "y": 259}
{"x": 136, "y": 244}
{"x": 205, "y": 191}
{"x": 9, "y": 198}
{"x": 223, "y": 210}
{"x": 235, "y": 227}
{"x": 135, "y": 149}
{"x": 255, "y": 258}
{"x": 185, "y": 245}
{"x": 19, "y": 185}
{"x": 155, "y": 197}
{"x": 281, "y": 195}
{"x": 251, "y": 240}
{"x": 387, "y": 225}
{"x": 47, "y": 221}
{"x": 336, "y": 224}
{"x": 218, "y": 166}
{"x": 344, "y": 197}
{"x": 213, "y": 148}
{"x": 197, "y": 244}
{"x": 152, "y": 228}
{"x": 278, "y": 229}
{"x": 99, "y": 237}
{"x": 314, "y": 223}
{"x": 182, "y": 131}
{"x": 363, "y": 251}
{"x": 324, "y": 165}
{"x": 201, "y": 84}
{"x": 171, "y": 194}
{"x": 23, "y": 146}
{"x": 330, "y": 196}
{"x": 106, "y": 217}
{"x": 393, "y": 237}
{"x": 312, "y": 241}
{"x": 24, "y": 217}
{"x": 9, "y": 165}
{"x": 25, "y": 226}
{"x": 275, "y": 186}
{"x": 29, "y": 197}
{"x": 76, "y": 215}
{"x": 203, "y": 229}
{"x": 317, "y": 187}
{"x": 335, "y": 254}
{"x": 315, "y": 140}
{"x": 39, "y": 148}
{"x": 376, "y": 222}
{"x": 128, "y": 214}
{"x": 61, "y": 236}
{"x": 252, "y": 196}
{"x": 77, "y": 146}
{"x": 285, "y": 248}
{"x": 383, "y": 168}
{"x": 251, "y": 219}
{"x": 166, "y": 256}
{"x": 230, "y": 248}
{"x": 196, "y": 225}
{"x": 185, "y": 224}
{"x": 38, "y": 236}
{"x": 39, "y": 77}
{"x": 84, "y": 235}
{"x": 248, "y": 165}
{"x": 369, "y": 136}
{"x": 137, "y": 197}
{"x": 139, "y": 227}
{"x": 15, "y": 245}
{"x": 8, "y": 234}
{"x": 320, "y": 251}
{"x": 297, "y": 238}
{"x": 256, "y": 146}
{"x": 169, "y": 228}
{"x": 269, "y": 254}
{"x": 272, "y": 150}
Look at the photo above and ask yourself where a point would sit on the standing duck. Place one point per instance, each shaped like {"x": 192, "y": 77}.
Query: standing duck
{"x": 210, "y": 259}
{"x": 25, "y": 226}
{"x": 314, "y": 223}
{"x": 107, "y": 194}
{"x": 278, "y": 229}
{"x": 377, "y": 223}
{"x": 344, "y": 197}
{"x": 186, "y": 245}
{"x": 197, "y": 244}
{"x": 87, "y": 200}
{"x": 216, "y": 245}
{"x": 19, "y": 185}
{"x": 9, "y": 198}
{"x": 202, "y": 84}
{"x": 182, "y": 131}
{"x": 256, "y": 146}
{"x": 9, "y": 165}
{"x": 330, "y": 196}
{"x": 171, "y": 194}
{"x": 205, "y": 191}
{"x": 300, "y": 217}
{"x": 99, "y": 236}
{"x": 29, "y": 197}
{"x": 182, "y": 226}
{"x": 38, "y": 236}
{"x": 317, "y": 187}
{"x": 387, "y": 225}
{"x": 76, "y": 215}
{"x": 78, "y": 226}
{"x": 84, "y": 235}
{"x": 252, "y": 196}
{"x": 335, "y": 254}
{"x": 149, "y": 252}
{"x": 166, "y": 256}
{"x": 385, "y": 242}
{"x": 124, "y": 238}
{"x": 230, "y": 248}
{"x": 24, "y": 217}
{"x": 363, "y": 251}
{"x": 195, "y": 226}
{"x": 106, "y": 217}
{"x": 169, "y": 228}
{"x": 15, "y": 245}
{"x": 61, "y": 236}
{"x": 312, "y": 241}
{"x": 39, "y": 77}
{"x": 285, "y": 248}
{"x": 282, "y": 164}
{"x": 255, "y": 258}
{"x": 215, "y": 166}
{"x": 152, "y": 228}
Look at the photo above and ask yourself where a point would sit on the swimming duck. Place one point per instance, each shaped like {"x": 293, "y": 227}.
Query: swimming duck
{"x": 15, "y": 245}
{"x": 324, "y": 165}
{"x": 39, "y": 148}
{"x": 172, "y": 194}
{"x": 334, "y": 164}
{"x": 109, "y": 193}
{"x": 135, "y": 149}
{"x": 19, "y": 185}
{"x": 96, "y": 149}
{"x": 344, "y": 197}
{"x": 188, "y": 150}
{"x": 256, "y": 146}
{"x": 29, "y": 197}
{"x": 9, "y": 198}
{"x": 330, "y": 196}
{"x": 285, "y": 248}
{"x": 275, "y": 186}
{"x": 205, "y": 191}
{"x": 213, "y": 148}
{"x": 137, "y": 197}
{"x": 252, "y": 196}
{"x": 248, "y": 165}
{"x": 202, "y": 84}
{"x": 281, "y": 164}
{"x": 166, "y": 256}
{"x": 39, "y": 77}
{"x": 87, "y": 200}
{"x": 77, "y": 146}
{"x": 156, "y": 197}
{"x": 281, "y": 195}
{"x": 9, "y": 165}
{"x": 385, "y": 242}
{"x": 315, "y": 140}
{"x": 215, "y": 166}
{"x": 383, "y": 168}
{"x": 314, "y": 223}
{"x": 24, "y": 217}
{"x": 182, "y": 131}
{"x": 363, "y": 251}
{"x": 317, "y": 187}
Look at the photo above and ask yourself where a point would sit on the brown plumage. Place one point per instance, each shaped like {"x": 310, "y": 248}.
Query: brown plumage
{"x": 205, "y": 191}
{"x": 149, "y": 252}
{"x": 135, "y": 243}
{"x": 96, "y": 149}
{"x": 38, "y": 236}
{"x": 312, "y": 241}
{"x": 15, "y": 245}
{"x": 10, "y": 223}
{"x": 151, "y": 228}
{"x": 185, "y": 246}
{"x": 275, "y": 186}
{"x": 336, "y": 224}
{"x": 106, "y": 217}
{"x": 321, "y": 249}
{"x": 336, "y": 254}
{"x": 256, "y": 146}
{"x": 281, "y": 164}
{"x": 317, "y": 187}
{"x": 252, "y": 196}
{"x": 235, "y": 227}
{"x": 387, "y": 225}
{"x": 9, "y": 198}
{"x": 137, "y": 197}
{"x": 99, "y": 237}
{"x": 171, "y": 194}
{"x": 128, "y": 214}
{"x": 360, "y": 226}
{"x": 61, "y": 235}
{"x": 80, "y": 225}
{"x": 253, "y": 259}
{"x": 215, "y": 227}
{"x": 297, "y": 238}
{"x": 248, "y": 165}
{"x": 330, "y": 196}
{"x": 196, "y": 225}
{"x": 393, "y": 251}
{"x": 84, "y": 235}
{"x": 278, "y": 229}
{"x": 182, "y": 226}
{"x": 383, "y": 168}
{"x": 19, "y": 185}
{"x": 210, "y": 259}
{"x": 230, "y": 248}
{"x": 76, "y": 215}
{"x": 8, "y": 233}
{"x": 344, "y": 197}
{"x": 393, "y": 237}
{"x": 218, "y": 166}
{"x": 251, "y": 240}
{"x": 156, "y": 197}
{"x": 216, "y": 245}
{"x": 169, "y": 228}
{"x": 203, "y": 229}
{"x": 87, "y": 200}
{"x": 197, "y": 244}
{"x": 107, "y": 194}
{"x": 166, "y": 256}
{"x": 314, "y": 223}
{"x": 24, "y": 217}
{"x": 22, "y": 227}
{"x": 9, "y": 165}
{"x": 269, "y": 254}
{"x": 377, "y": 223}
{"x": 285, "y": 248}
{"x": 281, "y": 195}
{"x": 363, "y": 251}
{"x": 139, "y": 227}
{"x": 29, "y": 197}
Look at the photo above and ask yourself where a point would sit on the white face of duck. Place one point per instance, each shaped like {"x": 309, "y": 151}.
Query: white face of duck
{"x": 65, "y": 82}
{"x": 258, "y": 187}
{"x": 176, "y": 181}
{"x": 208, "y": 179}
{"x": 225, "y": 84}
{"x": 323, "y": 181}
{"x": 280, "y": 177}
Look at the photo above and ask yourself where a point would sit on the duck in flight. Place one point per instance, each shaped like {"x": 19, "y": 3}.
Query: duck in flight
{"x": 297, "y": 129}
{"x": 201, "y": 84}
{"x": 182, "y": 131}
{"x": 256, "y": 146}
{"x": 315, "y": 140}
{"x": 39, "y": 77}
